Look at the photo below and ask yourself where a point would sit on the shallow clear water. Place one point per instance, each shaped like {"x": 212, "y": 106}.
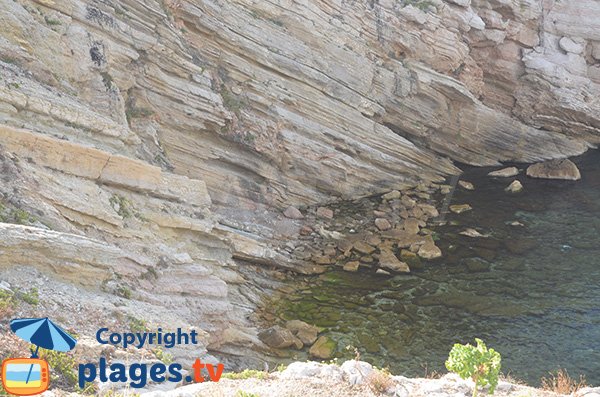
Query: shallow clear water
{"x": 538, "y": 303}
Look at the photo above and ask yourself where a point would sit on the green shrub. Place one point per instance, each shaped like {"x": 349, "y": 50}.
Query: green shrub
{"x": 246, "y": 374}
{"x": 137, "y": 324}
{"x": 7, "y": 304}
{"x": 163, "y": 356}
{"x": 479, "y": 363}
{"x": 32, "y": 297}
{"x": 63, "y": 367}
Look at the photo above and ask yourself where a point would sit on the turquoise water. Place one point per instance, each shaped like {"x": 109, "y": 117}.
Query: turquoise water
{"x": 531, "y": 292}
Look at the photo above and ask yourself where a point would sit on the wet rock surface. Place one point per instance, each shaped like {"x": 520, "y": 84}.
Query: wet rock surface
{"x": 554, "y": 169}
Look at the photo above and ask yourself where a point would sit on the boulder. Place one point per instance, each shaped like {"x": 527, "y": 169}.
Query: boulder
{"x": 514, "y": 187}
{"x": 569, "y": 45}
{"x": 429, "y": 210}
{"x": 411, "y": 226}
{"x": 357, "y": 371}
{"x": 429, "y": 250}
{"x": 411, "y": 259}
{"x": 305, "y": 332}
{"x": 279, "y": 338}
{"x": 311, "y": 369}
{"x": 383, "y": 224}
{"x": 323, "y": 348}
{"x": 324, "y": 212}
{"x": 363, "y": 248}
{"x": 394, "y": 194}
{"x": 293, "y": 213}
{"x": 555, "y": 169}
{"x": 351, "y": 266}
{"x": 389, "y": 261}
{"x": 382, "y": 272}
{"x": 505, "y": 172}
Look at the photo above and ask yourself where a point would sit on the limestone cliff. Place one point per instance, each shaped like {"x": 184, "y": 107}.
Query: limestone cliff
{"x": 155, "y": 142}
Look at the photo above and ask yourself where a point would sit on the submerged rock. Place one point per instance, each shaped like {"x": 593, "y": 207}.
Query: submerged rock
{"x": 279, "y": 338}
{"x": 389, "y": 261}
{"x": 514, "y": 187}
{"x": 323, "y": 348}
{"x": 412, "y": 260}
{"x": 429, "y": 250}
{"x": 470, "y": 232}
{"x": 466, "y": 185}
{"x": 351, "y": 266}
{"x": 475, "y": 265}
{"x": 505, "y": 172}
{"x": 305, "y": 332}
{"x": 555, "y": 169}
{"x": 460, "y": 208}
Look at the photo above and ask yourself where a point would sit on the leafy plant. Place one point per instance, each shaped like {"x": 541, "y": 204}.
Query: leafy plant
{"x": 479, "y": 363}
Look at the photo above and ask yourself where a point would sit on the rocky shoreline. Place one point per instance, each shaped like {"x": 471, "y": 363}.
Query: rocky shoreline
{"x": 352, "y": 379}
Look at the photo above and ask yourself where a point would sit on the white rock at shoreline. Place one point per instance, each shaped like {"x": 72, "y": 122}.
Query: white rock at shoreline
{"x": 505, "y": 172}
{"x": 514, "y": 187}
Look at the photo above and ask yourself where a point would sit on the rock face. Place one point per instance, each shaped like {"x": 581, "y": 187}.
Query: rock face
{"x": 169, "y": 136}
{"x": 554, "y": 169}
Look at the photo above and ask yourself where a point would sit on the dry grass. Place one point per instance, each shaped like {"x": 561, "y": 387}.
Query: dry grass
{"x": 562, "y": 383}
{"x": 430, "y": 374}
{"x": 511, "y": 379}
{"x": 380, "y": 381}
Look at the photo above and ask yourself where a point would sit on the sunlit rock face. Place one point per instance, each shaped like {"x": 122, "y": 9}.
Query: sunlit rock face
{"x": 161, "y": 131}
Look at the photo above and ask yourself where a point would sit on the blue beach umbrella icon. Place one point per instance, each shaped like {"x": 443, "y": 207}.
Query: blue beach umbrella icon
{"x": 43, "y": 333}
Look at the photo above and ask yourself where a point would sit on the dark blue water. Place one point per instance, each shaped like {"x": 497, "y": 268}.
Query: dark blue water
{"x": 536, "y": 299}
